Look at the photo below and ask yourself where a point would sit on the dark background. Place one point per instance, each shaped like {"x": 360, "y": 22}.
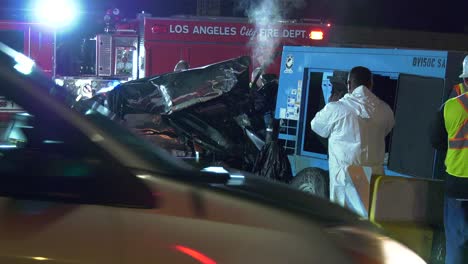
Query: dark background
{"x": 438, "y": 16}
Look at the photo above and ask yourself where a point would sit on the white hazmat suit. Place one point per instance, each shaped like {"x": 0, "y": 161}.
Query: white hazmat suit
{"x": 356, "y": 127}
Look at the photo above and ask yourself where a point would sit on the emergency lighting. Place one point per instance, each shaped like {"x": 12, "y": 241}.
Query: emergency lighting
{"x": 316, "y": 35}
{"x": 59, "y": 82}
{"x": 23, "y": 64}
{"x": 56, "y": 13}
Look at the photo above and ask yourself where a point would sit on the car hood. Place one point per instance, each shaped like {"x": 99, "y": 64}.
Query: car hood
{"x": 283, "y": 196}
{"x": 172, "y": 92}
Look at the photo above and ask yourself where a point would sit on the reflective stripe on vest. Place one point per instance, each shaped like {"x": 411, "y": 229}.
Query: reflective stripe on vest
{"x": 460, "y": 140}
{"x": 460, "y": 89}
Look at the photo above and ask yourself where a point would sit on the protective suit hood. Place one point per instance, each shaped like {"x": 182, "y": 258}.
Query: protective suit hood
{"x": 362, "y": 101}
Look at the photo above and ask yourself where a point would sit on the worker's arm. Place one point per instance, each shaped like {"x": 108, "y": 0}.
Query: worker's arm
{"x": 438, "y": 133}
{"x": 323, "y": 123}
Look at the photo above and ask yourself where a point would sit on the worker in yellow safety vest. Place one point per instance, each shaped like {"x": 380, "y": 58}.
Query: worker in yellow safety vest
{"x": 450, "y": 133}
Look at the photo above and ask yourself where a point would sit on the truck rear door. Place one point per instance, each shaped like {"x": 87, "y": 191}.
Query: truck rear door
{"x": 418, "y": 99}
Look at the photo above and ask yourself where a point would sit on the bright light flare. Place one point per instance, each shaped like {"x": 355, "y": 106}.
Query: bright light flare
{"x": 24, "y": 64}
{"x": 56, "y": 13}
{"x": 59, "y": 82}
{"x": 373, "y": 247}
{"x": 40, "y": 258}
{"x": 316, "y": 35}
{"x": 215, "y": 169}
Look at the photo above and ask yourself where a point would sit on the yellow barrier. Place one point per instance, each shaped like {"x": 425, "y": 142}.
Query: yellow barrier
{"x": 410, "y": 210}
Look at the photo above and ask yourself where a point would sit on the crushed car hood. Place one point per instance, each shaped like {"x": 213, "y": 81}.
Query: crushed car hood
{"x": 174, "y": 91}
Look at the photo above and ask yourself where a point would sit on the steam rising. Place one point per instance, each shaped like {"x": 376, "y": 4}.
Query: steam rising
{"x": 265, "y": 14}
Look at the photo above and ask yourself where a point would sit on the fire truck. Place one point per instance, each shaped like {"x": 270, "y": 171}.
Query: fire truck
{"x": 159, "y": 43}
{"x": 147, "y": 46}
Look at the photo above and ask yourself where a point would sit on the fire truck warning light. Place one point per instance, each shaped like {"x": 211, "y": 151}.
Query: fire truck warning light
{"x": 316, "y": 35}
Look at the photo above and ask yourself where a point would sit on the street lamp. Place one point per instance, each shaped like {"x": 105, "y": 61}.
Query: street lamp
{"x": 57, "y": 14}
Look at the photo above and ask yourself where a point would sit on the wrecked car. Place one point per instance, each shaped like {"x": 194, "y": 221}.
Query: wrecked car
{"x": 209, "y": 115}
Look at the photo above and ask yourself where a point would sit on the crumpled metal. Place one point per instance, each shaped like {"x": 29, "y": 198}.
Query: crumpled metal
{"x": 171, "y": 92}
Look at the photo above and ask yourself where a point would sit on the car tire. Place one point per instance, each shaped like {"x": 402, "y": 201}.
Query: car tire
{"x": 314, "y": 181}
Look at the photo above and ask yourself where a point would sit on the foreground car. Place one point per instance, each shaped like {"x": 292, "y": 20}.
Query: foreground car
{"x": 82, "y": 189}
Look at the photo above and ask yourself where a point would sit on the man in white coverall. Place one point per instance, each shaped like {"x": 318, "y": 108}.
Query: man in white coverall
{"x": 356, "y": 127}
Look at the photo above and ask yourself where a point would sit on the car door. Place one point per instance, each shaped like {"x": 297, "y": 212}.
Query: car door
{"x": 57, "y": 193}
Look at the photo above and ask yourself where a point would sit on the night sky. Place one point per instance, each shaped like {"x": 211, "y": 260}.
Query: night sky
{"x": 430, "y": 15}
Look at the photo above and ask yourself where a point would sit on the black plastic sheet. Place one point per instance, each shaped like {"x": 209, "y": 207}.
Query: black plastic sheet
{"x": 272, "y": 163}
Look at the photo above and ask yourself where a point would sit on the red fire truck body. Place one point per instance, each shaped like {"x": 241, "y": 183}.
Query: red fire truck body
{"x": 156, "y": 44}
{"x": 202, "y": 41}
{"x": 33, "y": 39}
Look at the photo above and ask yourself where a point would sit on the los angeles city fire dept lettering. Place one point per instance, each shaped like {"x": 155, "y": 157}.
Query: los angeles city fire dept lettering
{"x": 234, "y": 31}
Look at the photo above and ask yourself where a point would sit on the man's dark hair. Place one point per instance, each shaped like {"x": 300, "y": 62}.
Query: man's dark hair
{"x": 360, "y": 76}
{"x": 338, "y": 91}
{"x": 339, "y": 88}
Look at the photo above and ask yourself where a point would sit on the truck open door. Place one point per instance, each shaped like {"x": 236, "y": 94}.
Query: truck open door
{"x": 418, "y": 99}
{"x": 411, "y": 209}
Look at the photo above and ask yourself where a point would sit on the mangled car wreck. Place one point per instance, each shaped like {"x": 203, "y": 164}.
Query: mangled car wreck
{"x": 208, "y": 115}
